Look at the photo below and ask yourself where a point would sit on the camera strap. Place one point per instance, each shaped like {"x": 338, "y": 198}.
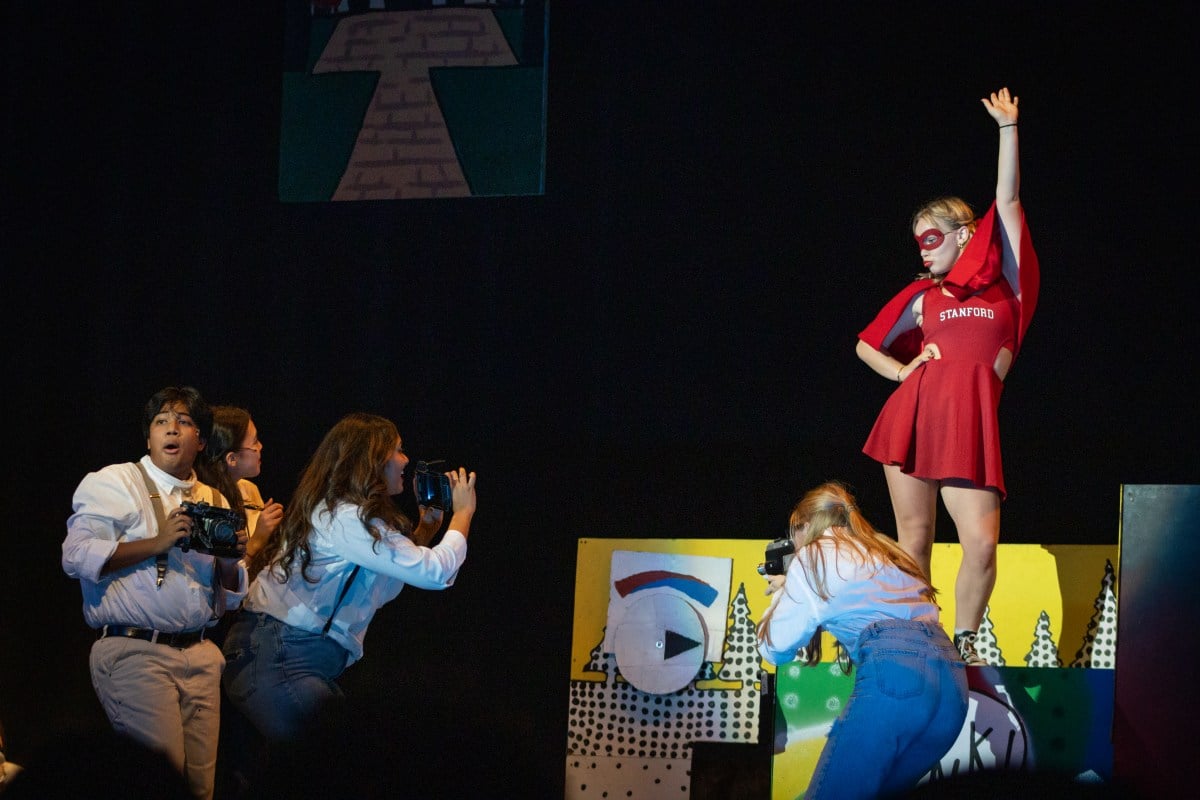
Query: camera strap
{"x": 218, "y": 599}
{"x": 341, "y": 597}
{"x": 160, "y": 561}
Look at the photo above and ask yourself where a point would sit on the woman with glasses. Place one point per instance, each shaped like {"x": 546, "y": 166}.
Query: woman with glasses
{"x": 949, "y": 340}
{"x": 232, "y": 458}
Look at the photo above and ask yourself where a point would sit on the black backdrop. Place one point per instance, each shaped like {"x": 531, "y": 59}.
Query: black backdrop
{"x": 661, "y": 346}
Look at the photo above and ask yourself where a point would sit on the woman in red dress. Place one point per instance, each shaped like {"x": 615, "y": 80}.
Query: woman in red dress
{"x": 949, "y": 339}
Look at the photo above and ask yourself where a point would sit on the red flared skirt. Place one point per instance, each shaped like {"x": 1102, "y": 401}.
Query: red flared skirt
{"x": 941, "y": 423}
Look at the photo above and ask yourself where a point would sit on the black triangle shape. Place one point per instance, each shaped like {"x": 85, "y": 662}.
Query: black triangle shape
{"x": 677, "y": 644}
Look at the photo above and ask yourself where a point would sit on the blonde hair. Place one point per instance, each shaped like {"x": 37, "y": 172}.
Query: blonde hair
{"x": 829, "y": 513}
{"x": 953, "y": 212}
{"x": 946, "y": 212}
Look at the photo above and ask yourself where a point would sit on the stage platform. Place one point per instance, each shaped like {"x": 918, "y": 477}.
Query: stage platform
{"x": 668, "y": 697}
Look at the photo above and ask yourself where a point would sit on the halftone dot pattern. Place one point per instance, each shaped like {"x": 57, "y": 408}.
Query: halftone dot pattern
{"x": 1043, "y": 652}
{"x": 627, "y": 731}
{"x": 589, "y": 777}
{"x": 985, "y": 641}
{"x": 1099, "y": 648}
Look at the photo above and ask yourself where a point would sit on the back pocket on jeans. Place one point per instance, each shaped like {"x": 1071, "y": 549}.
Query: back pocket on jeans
{"x": 899, "y": 673}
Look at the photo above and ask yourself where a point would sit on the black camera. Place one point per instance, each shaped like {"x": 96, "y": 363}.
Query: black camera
{"x": 778, "y": 555}
{"x": 214, "y": 530}
{"x": 433, "y": 487}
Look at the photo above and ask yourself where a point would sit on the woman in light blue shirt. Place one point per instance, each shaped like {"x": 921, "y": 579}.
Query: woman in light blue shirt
{"x": 910, "y": 688}
{"x": 342, "y": 551}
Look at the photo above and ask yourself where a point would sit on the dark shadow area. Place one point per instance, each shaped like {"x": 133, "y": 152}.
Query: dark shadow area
{"x": 1019, "y": 784}
{"x": 424, "y": 751}
{"x": 96, "y": 762}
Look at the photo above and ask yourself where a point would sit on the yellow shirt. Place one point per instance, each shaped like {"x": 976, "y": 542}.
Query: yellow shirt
{"x": 252, "y": 501}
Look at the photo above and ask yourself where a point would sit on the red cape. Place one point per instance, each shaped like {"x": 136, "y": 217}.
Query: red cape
{"x": 979, "y": 266}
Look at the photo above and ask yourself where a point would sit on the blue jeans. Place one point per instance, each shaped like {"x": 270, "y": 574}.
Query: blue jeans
{"x": 906, "y": 711}
{"x": 278, "y": 675}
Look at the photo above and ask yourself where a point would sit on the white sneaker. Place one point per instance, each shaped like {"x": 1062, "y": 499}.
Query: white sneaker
{"x": 965, "y": 642}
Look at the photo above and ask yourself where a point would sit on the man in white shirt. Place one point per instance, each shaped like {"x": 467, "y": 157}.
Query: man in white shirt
{"x": 150, "y": 601}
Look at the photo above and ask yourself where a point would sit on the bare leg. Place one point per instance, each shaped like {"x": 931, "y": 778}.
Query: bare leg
{"x": 976, "y": 515}
{"x": 914, "y": 502}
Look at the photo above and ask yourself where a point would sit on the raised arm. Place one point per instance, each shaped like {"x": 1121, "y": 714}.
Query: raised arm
{"x": 1002, "y": 107}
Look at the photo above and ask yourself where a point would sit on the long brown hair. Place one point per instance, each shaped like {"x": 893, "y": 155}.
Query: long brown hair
{"x": 229, "y": 427}
{"x": 347, "y": 467}
{"x": 831, "y": 508}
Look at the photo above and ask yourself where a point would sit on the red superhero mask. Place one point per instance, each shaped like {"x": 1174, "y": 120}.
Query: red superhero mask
{"x": 931, "y": 239}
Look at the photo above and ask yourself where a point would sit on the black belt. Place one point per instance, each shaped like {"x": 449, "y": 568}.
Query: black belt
{"x": 180, "y": 640}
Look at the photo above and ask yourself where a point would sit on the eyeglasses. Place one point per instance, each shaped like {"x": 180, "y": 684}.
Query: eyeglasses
{"x": 256, "y": 447}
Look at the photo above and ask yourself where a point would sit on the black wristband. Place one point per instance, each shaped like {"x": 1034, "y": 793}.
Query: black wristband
{"x": 1009, "y": 125}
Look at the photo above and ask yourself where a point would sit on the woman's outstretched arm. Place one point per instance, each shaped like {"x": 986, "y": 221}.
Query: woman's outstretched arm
{"x": 1002, "y": 106}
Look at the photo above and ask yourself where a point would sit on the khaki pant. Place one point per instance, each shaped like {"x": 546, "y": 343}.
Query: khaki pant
{"x": 168, "y": 699}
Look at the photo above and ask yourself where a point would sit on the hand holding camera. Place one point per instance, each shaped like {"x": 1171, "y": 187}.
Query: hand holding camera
{"x": 433, "y": 488}
{"x": 219, "y": 532}
{"x": 440, "y": 493}
{"x": 177, "y": 529}
{"x": 463, "y": 488}
{"x": 778, "y": 556}
{"x": 449, "y": 491}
